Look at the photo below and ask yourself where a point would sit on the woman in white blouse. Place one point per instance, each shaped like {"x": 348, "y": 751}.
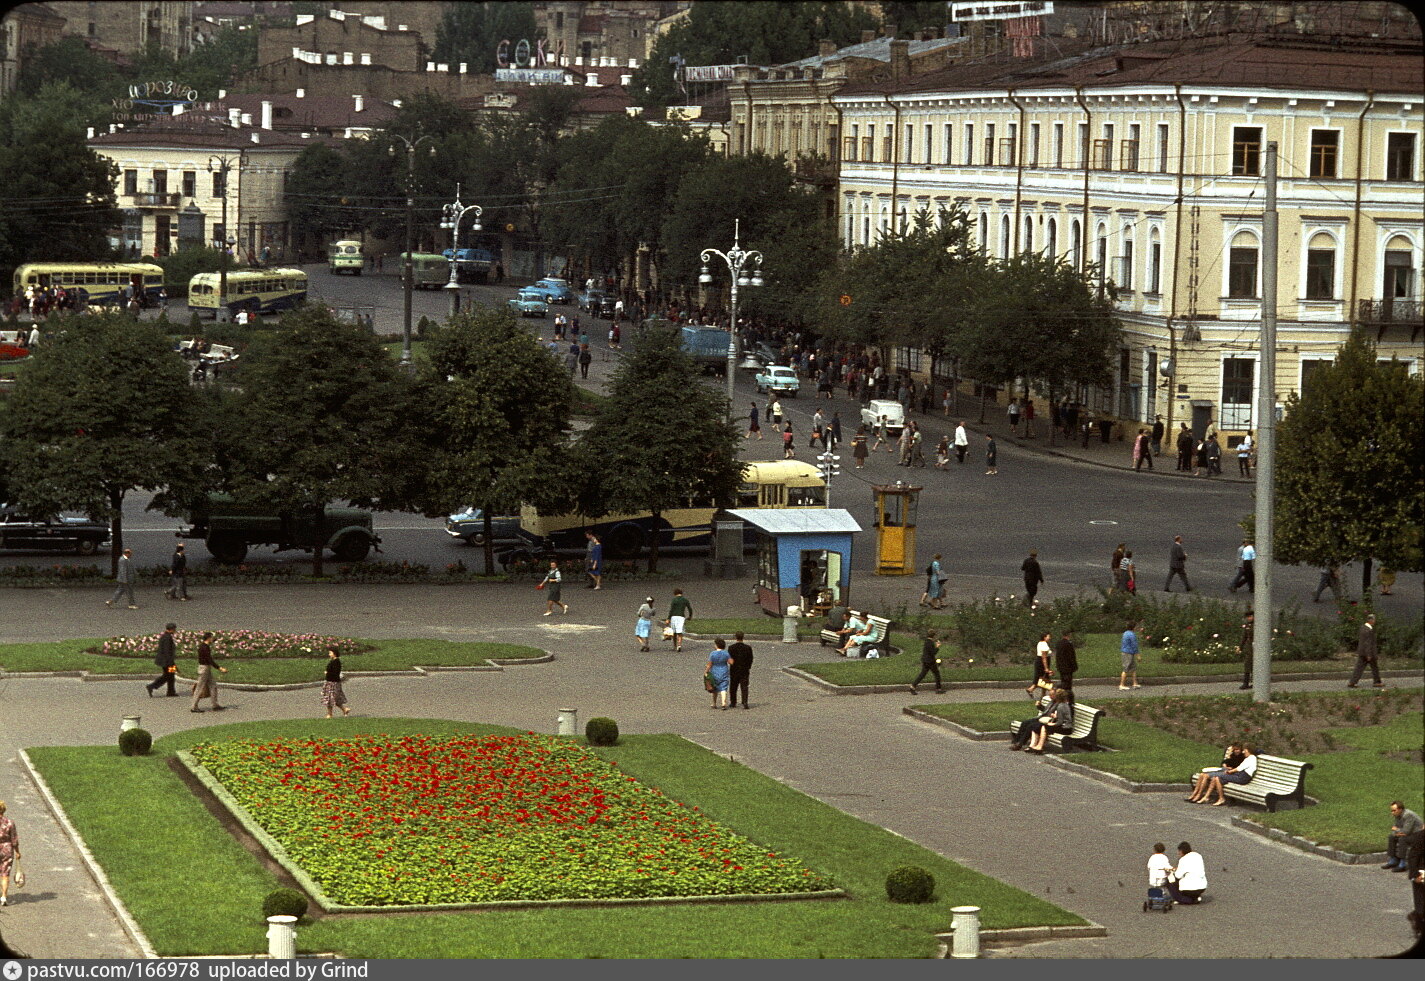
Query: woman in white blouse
{"x": 1241, "y": 773}
{"x": 1188, "y": 880}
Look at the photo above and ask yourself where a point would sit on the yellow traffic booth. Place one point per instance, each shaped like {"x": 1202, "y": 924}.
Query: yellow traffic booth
{"x": 895, "y": 528}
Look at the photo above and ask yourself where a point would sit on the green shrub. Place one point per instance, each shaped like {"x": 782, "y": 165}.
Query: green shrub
{"x": 284, "y": 902}
{"x": 600, "y": 731}
{"x": 910, "y": 884}
{"x": 135, "y": 742}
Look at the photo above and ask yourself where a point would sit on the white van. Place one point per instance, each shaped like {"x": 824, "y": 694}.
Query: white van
{"x": 894, "y": 412}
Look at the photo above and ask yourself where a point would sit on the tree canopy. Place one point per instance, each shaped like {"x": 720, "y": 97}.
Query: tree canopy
{"x": 1350, "y": 476}
{"x": 472, "y": 32}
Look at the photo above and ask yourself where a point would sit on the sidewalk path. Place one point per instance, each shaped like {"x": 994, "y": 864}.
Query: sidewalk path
{"x": 1075, "y": 841}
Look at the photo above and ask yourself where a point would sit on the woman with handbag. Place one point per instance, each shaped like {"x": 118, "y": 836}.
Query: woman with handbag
{"x": 718, "y": 674}
{"x": 552, "y": 580}
{"x": 1042, "y": 670}
{"x": 9, "y": 855}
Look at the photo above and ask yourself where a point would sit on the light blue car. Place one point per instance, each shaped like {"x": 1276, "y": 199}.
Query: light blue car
{"x": 554, "y": 290}
{"x": 529, "y": 303}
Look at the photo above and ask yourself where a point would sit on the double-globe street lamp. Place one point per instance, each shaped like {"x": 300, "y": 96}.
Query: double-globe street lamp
{"x": 736, "y": 258}
{"x": 451, "y": 215}
{"x": 408, "y": 274}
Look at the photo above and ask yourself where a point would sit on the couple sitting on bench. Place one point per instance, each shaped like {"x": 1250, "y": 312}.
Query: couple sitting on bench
{"x": 1056, "y": 715}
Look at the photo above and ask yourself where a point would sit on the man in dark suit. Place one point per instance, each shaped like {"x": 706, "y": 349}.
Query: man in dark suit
{"x": 1033, "y": 576}
{"x": 1366, "y": 653}
{"x": 1177, "y": 564}
{"x": 1245, "y": 649}
{"x": 1185, "y": 445}
{"x": 1066, "y": 661}
{"x": 167, "y": 661}
{"x": 739, "y": 671}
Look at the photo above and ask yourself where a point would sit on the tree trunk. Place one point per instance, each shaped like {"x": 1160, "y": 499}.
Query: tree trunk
{"x": 116, "y": 531}
{"x": 983, "y": 390}
{"x": 1366, "y": 581}
{"x": 1049, "y": 416}
{"x": 489, "y": 544}
{"x": 653, "y": 542}
{"x": 318, "y": 542}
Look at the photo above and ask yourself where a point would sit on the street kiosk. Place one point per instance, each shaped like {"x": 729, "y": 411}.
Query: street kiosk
{"x": 896, "y": 506}
{"x": 803, "y": 557}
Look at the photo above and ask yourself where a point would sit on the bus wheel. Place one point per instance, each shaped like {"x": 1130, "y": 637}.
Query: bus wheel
{"x": 352, "y": 548}
{"x": 356, "y": 272}
{"x": 227, "y": 549}
{"x": 625, "y": 542}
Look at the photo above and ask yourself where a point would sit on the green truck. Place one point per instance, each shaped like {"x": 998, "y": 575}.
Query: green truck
{"x": 229, "y": 529}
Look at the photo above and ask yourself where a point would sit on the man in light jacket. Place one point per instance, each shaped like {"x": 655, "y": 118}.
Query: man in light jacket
{"x": 125, "y": 580}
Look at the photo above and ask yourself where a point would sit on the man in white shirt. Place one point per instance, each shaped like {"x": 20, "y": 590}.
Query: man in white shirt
{"x": 1246, "y": 568}
{"x": 1189, "y": 879}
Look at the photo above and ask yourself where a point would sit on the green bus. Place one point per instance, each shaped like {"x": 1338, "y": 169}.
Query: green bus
{"x": 346, "y": 256}
{"x": 428, "y": 271}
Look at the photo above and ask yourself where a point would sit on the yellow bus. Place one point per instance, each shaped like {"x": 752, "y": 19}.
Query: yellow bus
{"x": 765, "y": 484}
{"x": 428, "y": 271}
{"x": 346, "y": 256}
{"x": 253, "y": 290}
{"x": 101, "y": 283}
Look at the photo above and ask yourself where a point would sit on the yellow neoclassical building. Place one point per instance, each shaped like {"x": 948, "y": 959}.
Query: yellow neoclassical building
{"x": 1143, "y": 165}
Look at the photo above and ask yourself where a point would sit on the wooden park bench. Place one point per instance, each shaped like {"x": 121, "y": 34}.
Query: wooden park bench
{"x": 876, "y": 639}
{"x": 1276, "y": 778}
{"x": 832, "y": 637}
{"x": 1084, "y": 736}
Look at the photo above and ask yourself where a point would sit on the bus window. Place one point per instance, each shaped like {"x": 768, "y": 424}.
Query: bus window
{"x": 772, "y": 495}
{"x": 747, "y": 496}
{"x": 806, "y": 497}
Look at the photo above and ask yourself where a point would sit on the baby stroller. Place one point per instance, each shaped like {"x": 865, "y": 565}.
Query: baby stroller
{"x": 1158, "y": 900}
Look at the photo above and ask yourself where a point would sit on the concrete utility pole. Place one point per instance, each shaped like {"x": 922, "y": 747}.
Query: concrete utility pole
{"x": 408, "y": 276}
{"x": 1266, "y": 442}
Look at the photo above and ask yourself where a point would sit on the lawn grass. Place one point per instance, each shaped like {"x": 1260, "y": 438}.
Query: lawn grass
{"x": 587, "y": 402}
{"x": 856, "y": 855}
{"x": 1098, "y": 658}
{"x": 1353, "y": 787}
{"x": 389, "y": 655}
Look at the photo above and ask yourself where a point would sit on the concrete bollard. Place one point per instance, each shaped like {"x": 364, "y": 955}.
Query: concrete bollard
{"x": 789, "y": 624}
{"x": 130, "y": 722}
{"x": 965, "y": 926}
{"x": 282, "y": 937}
{"x": 568, "y": 722}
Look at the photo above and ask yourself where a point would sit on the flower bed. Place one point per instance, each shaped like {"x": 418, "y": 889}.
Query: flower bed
{"x": 396, "y": 821}
{"x": 233, "y": 644}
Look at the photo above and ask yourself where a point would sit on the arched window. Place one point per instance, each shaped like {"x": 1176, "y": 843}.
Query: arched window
{"x": 1051, "y": 244}
{"x": 1076, "y": 244}
{"x": 1027, "y": 246}
{"x": 1242, "y": 267}
{"x": 1126, "y": 271}
{"x": 1004, "y": 237}
{"x": 984, "y": 232}
{"x": 1155, "y": 263}
{"x": 1321, "y": 267}
{"x": 1101, "y": 257}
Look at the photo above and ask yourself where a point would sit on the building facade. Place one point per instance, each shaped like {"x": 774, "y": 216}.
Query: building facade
{"x": 24, "y": 29}
{"x": 1143, "y": 166}
{"x": 132, "y": 25}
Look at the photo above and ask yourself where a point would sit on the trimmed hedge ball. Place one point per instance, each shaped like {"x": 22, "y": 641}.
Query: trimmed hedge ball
{"x": 284, "y": 902}
{"x": 600, "y": 731}
{"x": 910, "y": 884}
{"x": 135, "y": 742}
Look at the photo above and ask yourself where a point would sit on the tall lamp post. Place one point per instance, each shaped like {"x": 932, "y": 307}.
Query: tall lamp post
{"x": 223, "y": 243}
{"x": 409, "y": 275}
{"x": 451, "y": 216}
{"x": 736, "y": 259}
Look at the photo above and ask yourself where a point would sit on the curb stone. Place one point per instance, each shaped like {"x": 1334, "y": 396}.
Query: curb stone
{"x": 835, "y": 689}
{"x": 96, "y": 872}
{"x": 1306, "y": 844}
{"x": 1029, "y": 935}
{"x": 956, "y": 727}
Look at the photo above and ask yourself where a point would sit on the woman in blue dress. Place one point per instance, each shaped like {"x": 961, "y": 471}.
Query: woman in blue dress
{"x": 718, "y": 662}
{"x": 934, "y": 589}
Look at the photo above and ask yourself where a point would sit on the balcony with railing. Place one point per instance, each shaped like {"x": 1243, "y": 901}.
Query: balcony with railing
{"x": 157, "y": 199}
{"x": 1385, "y": 313}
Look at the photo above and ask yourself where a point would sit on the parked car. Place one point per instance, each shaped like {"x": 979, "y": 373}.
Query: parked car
{"x": 468, "y": 525}
{"x": 894, "y": 412}
{"x": 229, "y": 528}
{"x": 19, "y": 530}
{"x": 592, "y": 300}
{"x": 554, "y": 290}
{"x": 529, "y": 303}
{"x": 778, "y": 380}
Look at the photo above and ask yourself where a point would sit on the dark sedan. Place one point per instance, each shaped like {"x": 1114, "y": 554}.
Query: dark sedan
{"x": 21, "y": 531}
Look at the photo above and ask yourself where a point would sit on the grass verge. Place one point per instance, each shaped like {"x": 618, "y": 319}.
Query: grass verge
{"x": 855, "y": 854}
{"x": 1353, "y": 787}
{"x": 1098, "y": 658}
{"x": 390, "y": 655}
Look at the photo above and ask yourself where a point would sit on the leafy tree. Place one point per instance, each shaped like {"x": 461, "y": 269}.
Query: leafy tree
{"x": 56, "y": 195}
{"x": 910, "y": 17}
{"x": 472, "y": 32}
{"x": 1350, "y": 476}
{"x": 325, "y": 416}
{"x": 316, "y": 194}
{"x": 500, "y": 404}
{"x": 181, "y": 266}
{"x": 208, "y": 67}
{"x": 105, "y": 408}
{"x": 70, "y": 61}
{"x": 660, "y": 441}
{"x": 765, "y": 32}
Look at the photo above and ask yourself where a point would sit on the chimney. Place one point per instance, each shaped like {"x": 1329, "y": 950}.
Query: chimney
{"x": 266, "y": 115}
{"x": 360, "y": 103}
{"x": 889, "y": 28}
{"x": 463, "y": 66}
{"x": 900, "y": 59}
{"x": 366, "y": 57}
{"x": 592, "y": 80}
{"x": 442, "y": 67}
{"x": 867, "y": 36}
{"x": 91, "y": 133}
{"x": 578, "y": 61}
{"x": 112, "y": 129}
{"x": 246, "y": 119}
{"x": 430, "y": 66}
{"x": 346, "y": 58}
{"x": 222, "y": 94}
{"x": 234, "y": 117}
{"x": 396, "y": 103}
{"x": 301, "y": 93}
{"x": 625, "y": 80}
{"x": 633, "y": 62}
{"x": 826, "y": 47}
{"x": 254, "y": 136}
{"x": 178, "y": 109}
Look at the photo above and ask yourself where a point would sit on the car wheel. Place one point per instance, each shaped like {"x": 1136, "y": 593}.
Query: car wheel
{"x": 477, "y": 539}
{"x": 352, "y": 548}
{"x": 356, "y": 272}
{"x": 625, "y": 542}
{"x": 87, "y": 546}
{"x": 227, "y": 549}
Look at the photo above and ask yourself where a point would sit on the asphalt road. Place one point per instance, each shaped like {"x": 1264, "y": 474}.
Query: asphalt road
{"x": 1073, "y": 513}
